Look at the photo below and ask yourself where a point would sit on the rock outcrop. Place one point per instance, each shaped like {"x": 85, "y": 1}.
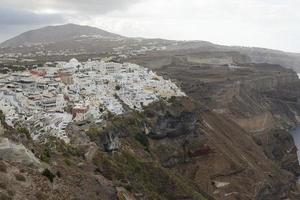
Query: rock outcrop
{"x": 12, "y": 152}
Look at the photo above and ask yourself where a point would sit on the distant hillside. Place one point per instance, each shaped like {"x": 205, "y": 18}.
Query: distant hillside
{"x": 52, "y": 34}
{"x": 90, "y": 40}
{"x": 262, "y": 55}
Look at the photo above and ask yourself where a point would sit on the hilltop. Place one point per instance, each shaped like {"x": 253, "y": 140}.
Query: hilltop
{"x": 53, "y": 34}
{"x": 72, "y": 39}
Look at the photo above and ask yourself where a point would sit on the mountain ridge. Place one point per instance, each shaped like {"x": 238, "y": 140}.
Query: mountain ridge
{"x": 92, "y": 40}
{"x": 85, "y": 28}
{"x": 54, "y": 34}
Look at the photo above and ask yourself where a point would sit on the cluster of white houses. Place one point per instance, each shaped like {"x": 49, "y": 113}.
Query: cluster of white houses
{"x": 47, "y": 99}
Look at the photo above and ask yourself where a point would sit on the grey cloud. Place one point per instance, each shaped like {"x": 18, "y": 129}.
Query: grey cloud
{"x": 80, "y": 6}
{"x": 17, "y": 16}
{"x": 9, "y": 31}
{"x": 14, "y": 22}
{"x": 12, "y": 17}
{"x": 96, "y": 6}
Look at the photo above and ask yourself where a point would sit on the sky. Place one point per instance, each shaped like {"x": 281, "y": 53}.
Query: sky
{"x": 260, "y": 23}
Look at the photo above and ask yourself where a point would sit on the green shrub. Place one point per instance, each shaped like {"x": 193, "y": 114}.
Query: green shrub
{"x": 22, "y": 130}
{"x": 68, "y": 162}
{"x": 47, "y": 173}
{"x": 93, "y": 131}
{"x": 45, "y": 156}
{"x": 58, "y": 174}
{"x": 172, "y": 99}
{"x": 2, "y": 117}
{"x": 143, "y": 139}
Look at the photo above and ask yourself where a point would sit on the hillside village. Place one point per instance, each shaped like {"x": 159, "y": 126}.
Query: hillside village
{"x": 46, "y": 99}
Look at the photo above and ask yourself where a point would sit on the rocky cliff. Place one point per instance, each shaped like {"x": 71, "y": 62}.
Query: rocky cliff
{"x": 228, "y": 140}
{"x": 261, "y": 98}
{"x": 176, "y": 149}
{"x": 215, "y": 154}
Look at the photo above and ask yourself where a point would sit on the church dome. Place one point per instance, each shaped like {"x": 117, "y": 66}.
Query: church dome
{"x": 74, "y": 60}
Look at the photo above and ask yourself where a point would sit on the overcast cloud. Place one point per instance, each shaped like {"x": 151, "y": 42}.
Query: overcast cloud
{"x": 13, "y": 17}
{"x": 263, "y": 23}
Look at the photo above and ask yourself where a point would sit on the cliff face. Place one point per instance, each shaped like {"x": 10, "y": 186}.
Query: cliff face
{"x": 176, "y": 149}
{"x": 217, "y": 156}
{"x": 269, "y": 109}
{"x": 261, "y": 98}
{"x": 267, "y": 106}
{"x": 258, "y": 55}
{"x": 228, "y": 140}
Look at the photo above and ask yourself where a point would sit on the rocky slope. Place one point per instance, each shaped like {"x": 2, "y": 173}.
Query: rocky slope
{"x": 176, "y": 149}
{"x": 261, "y": 98}
{"x": 210, "y": 154}
{"x": 228, "y": 140}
